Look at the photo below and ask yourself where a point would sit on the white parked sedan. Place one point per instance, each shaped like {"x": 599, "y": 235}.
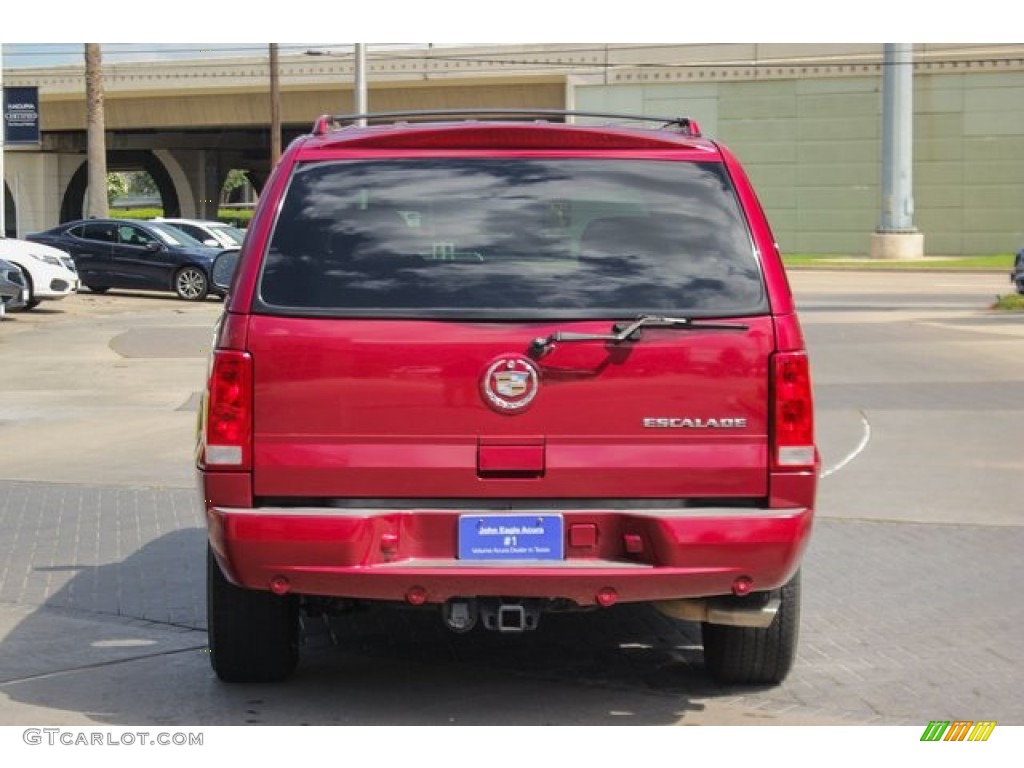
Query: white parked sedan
{"x": 49, "y": 272}
{"x": 213, "y": 233}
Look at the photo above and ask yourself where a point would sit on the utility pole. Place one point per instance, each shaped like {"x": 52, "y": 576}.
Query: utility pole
{"x": 896, "y": 236}
{"x": 361, "y": 82}
{"x": 275, "y": 108}
{"x": 96, "y": 203}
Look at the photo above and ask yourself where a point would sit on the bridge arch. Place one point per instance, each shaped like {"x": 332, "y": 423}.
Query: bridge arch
{"x": 73, "y": 203}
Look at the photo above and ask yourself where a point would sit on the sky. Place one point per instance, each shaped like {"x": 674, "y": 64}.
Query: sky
{"x": 49, "y": 34}
{"x": 21, "y": 55}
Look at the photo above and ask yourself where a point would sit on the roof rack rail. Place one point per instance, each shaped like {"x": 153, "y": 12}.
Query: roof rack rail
{"x": 686, "y": 125}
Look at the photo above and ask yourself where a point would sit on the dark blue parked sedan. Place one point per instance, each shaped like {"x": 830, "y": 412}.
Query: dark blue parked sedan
{"x": 123, "y": 253}
{"x": 1017, "y": 273}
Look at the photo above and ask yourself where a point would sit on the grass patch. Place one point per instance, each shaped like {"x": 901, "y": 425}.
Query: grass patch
{"x": 999, "y": 262}
{"x": 1011, "y": 302}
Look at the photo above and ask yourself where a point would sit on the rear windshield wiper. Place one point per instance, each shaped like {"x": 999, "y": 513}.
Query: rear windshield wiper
{"x": 630, "y": 331}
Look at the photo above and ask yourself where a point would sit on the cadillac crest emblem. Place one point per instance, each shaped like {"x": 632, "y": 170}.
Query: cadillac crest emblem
{"x": 510, "y": 384}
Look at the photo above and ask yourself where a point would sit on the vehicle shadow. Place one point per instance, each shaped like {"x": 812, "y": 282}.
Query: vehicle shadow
{"x": 42, "y": 309}
{"x": 125, "y": 643}
{"x": 161, "y": 296}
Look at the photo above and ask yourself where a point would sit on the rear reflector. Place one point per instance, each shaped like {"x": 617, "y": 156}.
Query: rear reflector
{"x": 228, "y": 437}
{"x": 793, "y": 427}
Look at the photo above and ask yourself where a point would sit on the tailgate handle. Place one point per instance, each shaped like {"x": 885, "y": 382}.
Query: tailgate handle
{"x": 510, "y": 457}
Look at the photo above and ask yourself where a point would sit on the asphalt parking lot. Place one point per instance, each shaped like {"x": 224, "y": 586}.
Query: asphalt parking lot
{"x": 910, "y": 610}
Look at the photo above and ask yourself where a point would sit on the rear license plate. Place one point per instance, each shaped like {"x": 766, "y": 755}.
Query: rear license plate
{"x": 511, "y": 537}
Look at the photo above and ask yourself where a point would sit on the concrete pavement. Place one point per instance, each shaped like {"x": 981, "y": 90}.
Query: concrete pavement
{"x": 910, "y": 610}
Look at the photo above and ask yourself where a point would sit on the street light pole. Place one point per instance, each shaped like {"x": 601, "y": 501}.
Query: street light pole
{"x": 896, "y": 237}
{"x": 897, "y": 139}
{"x": 359, "y": 86}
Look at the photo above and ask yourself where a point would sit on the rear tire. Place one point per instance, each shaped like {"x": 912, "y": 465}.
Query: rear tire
{"x": 191, "y": 284}
{"x": 754, "y": 656}
{"x": 253, "y": 635}
{"x": 98, "y": 288}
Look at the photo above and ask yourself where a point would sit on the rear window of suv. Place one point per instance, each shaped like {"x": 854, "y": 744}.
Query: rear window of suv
{"x": 510, "y": 237}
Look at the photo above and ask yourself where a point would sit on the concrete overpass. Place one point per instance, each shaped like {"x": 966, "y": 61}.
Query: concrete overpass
{"x": 189, "y": 122}
{"x": 804, "y": 118}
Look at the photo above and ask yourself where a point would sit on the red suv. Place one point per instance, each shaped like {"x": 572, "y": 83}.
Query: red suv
{"x": 501, "y": 367}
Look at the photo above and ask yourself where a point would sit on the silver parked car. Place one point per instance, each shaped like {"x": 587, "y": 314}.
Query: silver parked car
{"x": 213, "y": 233}
{"x": 13, "y": 289}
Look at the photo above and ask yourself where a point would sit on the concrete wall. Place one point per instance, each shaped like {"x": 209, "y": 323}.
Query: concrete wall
{"x": 812, "y": 147}
{"x": 37, "y": 182}
{"x": 199, "y": 109}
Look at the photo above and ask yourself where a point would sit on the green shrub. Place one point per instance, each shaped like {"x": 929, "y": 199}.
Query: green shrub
{"x": 135, "y": 213}
{"x": 240, "y": 217}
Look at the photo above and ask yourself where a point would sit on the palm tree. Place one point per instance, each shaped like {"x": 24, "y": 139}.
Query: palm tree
{"x": 96, "y": 204}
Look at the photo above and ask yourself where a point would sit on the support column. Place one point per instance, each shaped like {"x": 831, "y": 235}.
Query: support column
{"x": 896, "y": 236}
{"x": 202, "y": 171}
{"x": 212, "y": 182}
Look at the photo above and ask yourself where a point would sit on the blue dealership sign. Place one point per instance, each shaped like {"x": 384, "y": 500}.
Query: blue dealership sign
{"x": 21, "y": 115}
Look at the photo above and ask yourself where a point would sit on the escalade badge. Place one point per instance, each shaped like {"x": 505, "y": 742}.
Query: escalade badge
{"x": 510, "y": 384}
{"x": 717, "y": 423}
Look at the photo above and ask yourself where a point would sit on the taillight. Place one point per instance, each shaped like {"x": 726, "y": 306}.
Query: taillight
{"x": 228, "y": 437}
{"x": 793, "y": 428}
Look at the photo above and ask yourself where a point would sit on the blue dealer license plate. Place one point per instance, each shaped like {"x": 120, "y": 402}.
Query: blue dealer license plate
{"x": 511, "y": 537}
